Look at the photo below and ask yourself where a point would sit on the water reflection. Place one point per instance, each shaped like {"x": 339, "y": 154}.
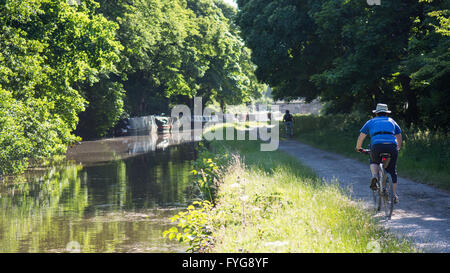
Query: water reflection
{"x": 124, "y": 147}
{"x": 116, "y": 198}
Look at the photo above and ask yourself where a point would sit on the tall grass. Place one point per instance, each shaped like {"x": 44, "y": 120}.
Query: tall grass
{"x": 269, "y": 202}
{"x": 424, "y": 157}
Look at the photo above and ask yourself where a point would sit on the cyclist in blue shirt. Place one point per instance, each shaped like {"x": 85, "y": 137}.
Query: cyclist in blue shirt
{"x": 288, "y": 120}
{"x": 385, "y": 137}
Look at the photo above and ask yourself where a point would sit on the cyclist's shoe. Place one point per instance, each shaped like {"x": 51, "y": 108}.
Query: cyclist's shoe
{"x": 374, "y": 183}
{"x": 396, "y": 200}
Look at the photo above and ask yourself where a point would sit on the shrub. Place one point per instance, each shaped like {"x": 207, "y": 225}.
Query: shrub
{"x": 192, "y": 227}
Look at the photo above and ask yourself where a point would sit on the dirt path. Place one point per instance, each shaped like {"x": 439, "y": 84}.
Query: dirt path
{"x": 423, "y": 214}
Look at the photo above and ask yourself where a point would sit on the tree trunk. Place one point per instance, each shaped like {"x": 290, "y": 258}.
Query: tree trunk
{"x": 222, "y": 106}
{"x": 411, "y": 113}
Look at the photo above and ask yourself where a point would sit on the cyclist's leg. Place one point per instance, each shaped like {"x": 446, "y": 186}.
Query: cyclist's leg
{"x": 288, "y": 127}
{"x": 374, "y": 165}
{"x": 392, "y": 167}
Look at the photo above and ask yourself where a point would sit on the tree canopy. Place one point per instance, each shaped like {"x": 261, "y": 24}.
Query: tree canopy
{"x": 175, "y": 50}
{"x": 353, "y": 55}
{"x": 74, "y": 68}
{"x": 48, "y": 48}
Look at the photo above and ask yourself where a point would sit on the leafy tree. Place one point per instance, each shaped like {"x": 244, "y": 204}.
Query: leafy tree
{"x": 175, "y": 50}
{"x": 277, "y": 33}
{"x": 77, "y": 68}
{"x": 229, "y": 75}
{"x": 152, "y": 33}
{"x": 48, "y": 50}
{"x": 428, "y": 64}
{"x": 353, "y": 55}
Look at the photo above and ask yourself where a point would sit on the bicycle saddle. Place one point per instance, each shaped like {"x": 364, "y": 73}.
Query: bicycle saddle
{"x": 385, "y": 155}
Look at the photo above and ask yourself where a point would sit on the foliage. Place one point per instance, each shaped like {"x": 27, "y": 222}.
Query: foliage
{"x": 68, "y": 70}
{"x": 353, "y": 55}
{"x": 49, "y": 49}
{"x": 106, "y": 107}
{"x": 229, "y": 77}
{"x": 192, "y": 227}
{"x": 207, "y": 169}
{"x": 443, "y": 18}
{"x": 175, "y": 50}
{"x": 14, "y": 146}
{"x": 206, "y": 178}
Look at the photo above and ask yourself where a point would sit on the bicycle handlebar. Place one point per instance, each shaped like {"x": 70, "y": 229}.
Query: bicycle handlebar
{"x": 364, "y": 151}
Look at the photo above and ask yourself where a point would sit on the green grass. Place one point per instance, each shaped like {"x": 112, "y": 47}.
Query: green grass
{"x": 424, "y": 156}
{"x": 269, "y": 202}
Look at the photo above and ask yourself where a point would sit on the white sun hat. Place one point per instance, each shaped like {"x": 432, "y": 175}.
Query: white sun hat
{"x": 381, "y": 108}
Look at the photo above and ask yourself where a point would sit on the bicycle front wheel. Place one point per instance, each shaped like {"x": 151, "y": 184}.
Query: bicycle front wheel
{"x": 388, "y": 197}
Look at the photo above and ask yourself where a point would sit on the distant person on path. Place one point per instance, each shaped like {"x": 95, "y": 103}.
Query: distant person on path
{"x": 385, "y": 137}
{"x": 288, "y": 119}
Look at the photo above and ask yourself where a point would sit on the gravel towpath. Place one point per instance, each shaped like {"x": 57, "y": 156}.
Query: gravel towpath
{"x": 423, "y": 214}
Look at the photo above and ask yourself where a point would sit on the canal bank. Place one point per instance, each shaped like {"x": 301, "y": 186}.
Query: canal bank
{"x": 270, "y": 202}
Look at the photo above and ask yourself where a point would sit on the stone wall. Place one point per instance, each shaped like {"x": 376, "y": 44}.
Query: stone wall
{"x": 294, "y": 107}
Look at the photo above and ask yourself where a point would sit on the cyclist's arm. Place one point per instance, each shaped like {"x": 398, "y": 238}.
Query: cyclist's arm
{"x": 360, "y": 141}
{"x": 398, "y": 136}
{"x": 399, "y": 141}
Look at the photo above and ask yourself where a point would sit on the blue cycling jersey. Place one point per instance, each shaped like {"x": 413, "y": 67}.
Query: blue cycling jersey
{"x": 381, "y": 130}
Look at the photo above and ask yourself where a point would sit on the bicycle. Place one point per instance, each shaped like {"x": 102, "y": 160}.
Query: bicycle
{"x": 384, "y": 194}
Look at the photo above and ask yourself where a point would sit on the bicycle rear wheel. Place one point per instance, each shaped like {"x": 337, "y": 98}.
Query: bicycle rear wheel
{"x": 388, "y": 197}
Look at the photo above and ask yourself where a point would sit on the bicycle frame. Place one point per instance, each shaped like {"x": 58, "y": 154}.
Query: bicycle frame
{"x": 384, "y": 193}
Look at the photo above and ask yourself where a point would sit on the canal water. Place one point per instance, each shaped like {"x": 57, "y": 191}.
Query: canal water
{"x": 112, "y": 195}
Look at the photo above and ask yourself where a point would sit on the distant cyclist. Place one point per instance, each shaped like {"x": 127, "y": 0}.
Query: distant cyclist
{"x": 288, "y": 119}
{"x": 385, "y": 137}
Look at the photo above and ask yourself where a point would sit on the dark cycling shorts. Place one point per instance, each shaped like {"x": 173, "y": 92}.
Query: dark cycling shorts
{"x": 391, "y": 148}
